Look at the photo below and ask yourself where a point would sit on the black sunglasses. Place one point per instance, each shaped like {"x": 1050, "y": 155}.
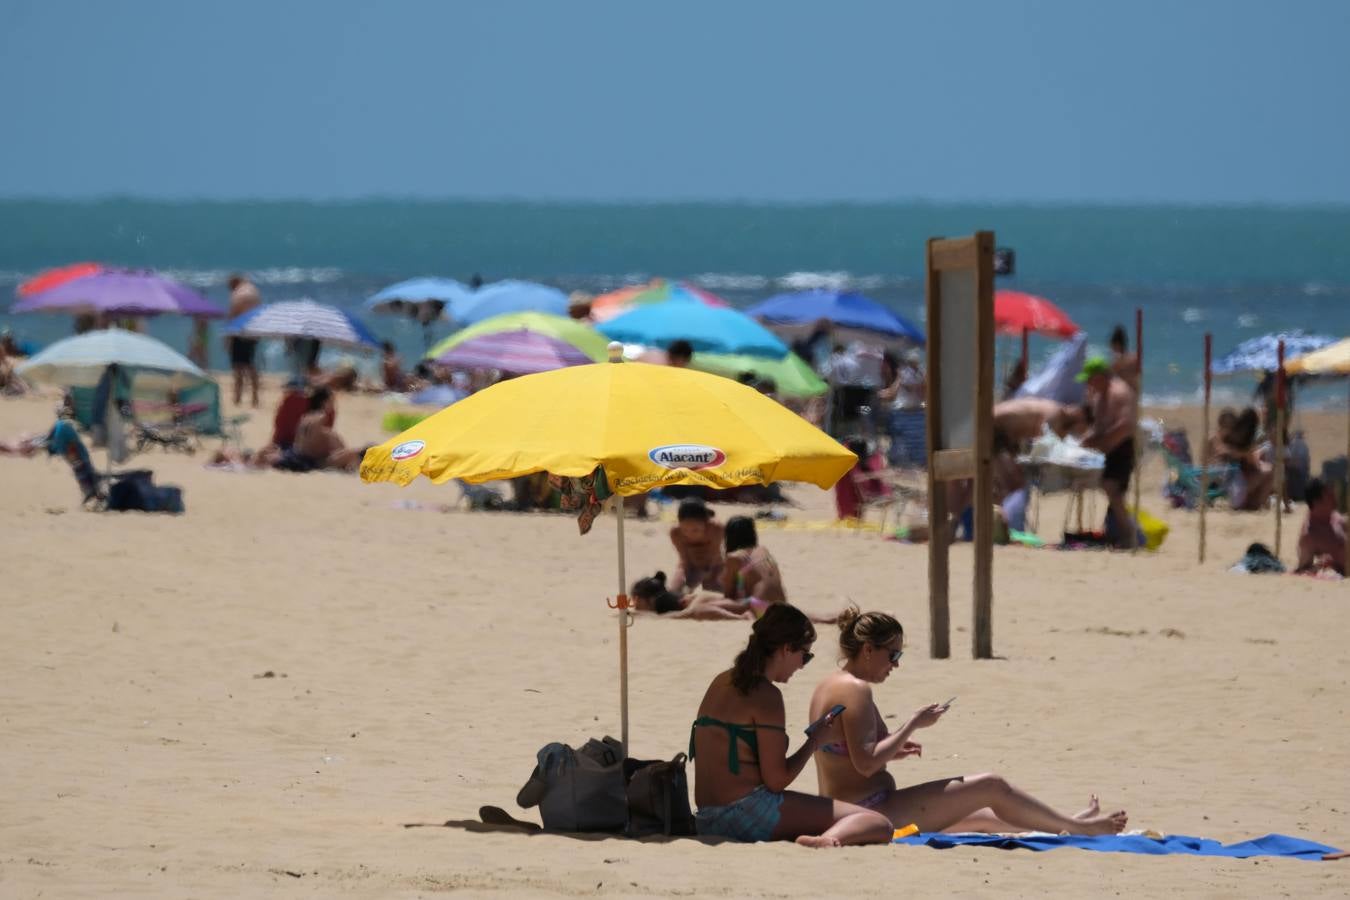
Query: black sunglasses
{"x": 895, "y": 655}
{"x": 807, "y": 656}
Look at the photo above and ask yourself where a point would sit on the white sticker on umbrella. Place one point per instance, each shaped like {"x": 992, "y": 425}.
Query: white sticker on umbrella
{"x": 407, "y": 450}
{"x": 687, "y": 456}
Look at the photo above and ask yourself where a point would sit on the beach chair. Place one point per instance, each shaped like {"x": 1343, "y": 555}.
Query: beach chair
{"x": 1188, "y": 484}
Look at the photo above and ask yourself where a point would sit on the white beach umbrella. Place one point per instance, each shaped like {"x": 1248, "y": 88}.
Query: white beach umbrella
{"x": 80, "y": 361}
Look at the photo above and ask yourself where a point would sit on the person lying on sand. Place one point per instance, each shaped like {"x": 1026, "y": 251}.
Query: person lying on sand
{"x": 698, "y": 544}
{"x": 652, "y": 595}
{"x": 1321, "y": 543}
{"x": 739, "y": 746}
{"x": 855, "y": 748}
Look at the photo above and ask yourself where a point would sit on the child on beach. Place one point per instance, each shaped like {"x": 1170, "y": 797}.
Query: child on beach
{"x": 698, "y": 544}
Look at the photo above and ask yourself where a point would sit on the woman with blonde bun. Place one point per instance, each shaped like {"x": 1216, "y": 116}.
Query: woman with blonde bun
{"x": 855, "y": 749}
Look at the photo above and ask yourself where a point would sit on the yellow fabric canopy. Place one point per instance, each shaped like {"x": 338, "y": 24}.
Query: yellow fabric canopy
{"x": 646, "y": 425}
{"x": 1333, "y": 359}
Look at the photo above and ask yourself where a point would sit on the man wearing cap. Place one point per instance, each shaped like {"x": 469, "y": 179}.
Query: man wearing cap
{"x": 1114, "y": 403}
{"x": 698, "y": 543}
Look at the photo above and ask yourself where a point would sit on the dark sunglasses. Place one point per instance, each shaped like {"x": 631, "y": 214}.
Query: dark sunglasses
{"x": 807, "y": 656}
{"x": 895, "y": 656}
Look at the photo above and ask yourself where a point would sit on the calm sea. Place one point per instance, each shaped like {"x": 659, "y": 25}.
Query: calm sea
{"x": 1236, "y": 272}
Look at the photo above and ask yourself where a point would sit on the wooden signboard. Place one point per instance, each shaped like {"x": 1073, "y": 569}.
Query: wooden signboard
{"x": 960, "y": 288}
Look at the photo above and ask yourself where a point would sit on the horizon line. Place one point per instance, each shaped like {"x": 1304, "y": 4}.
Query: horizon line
{"x": 558, "y": 201}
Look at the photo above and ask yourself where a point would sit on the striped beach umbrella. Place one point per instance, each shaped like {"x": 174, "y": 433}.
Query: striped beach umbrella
{"x": 576, "y": 334}
{"x": 303, "y": 318}
{"x": 658, "y": 290}
{"x": 519, "y": 351}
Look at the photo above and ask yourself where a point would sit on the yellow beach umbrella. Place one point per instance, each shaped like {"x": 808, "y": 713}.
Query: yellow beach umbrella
{"x": 644, "y": 425}
{"x": 1334, "y": 359}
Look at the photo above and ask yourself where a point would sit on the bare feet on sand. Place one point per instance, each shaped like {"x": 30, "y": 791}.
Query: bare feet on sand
{"x": 817, "y": 841}
{"x": 1093, "y": 822}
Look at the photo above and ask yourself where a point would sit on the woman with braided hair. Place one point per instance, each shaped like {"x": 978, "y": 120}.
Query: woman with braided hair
{"x": 739, "y": 746}
{"x": 855, "y": 749}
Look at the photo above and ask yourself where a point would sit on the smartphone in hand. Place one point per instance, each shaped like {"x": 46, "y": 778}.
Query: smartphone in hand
{"x": 825, "y": 719}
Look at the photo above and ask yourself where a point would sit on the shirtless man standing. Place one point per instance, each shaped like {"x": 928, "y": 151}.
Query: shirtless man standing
{"x": 1113, "y": 403}
{"x": 1323, "y": 534}
{"x": 698, "y": 543}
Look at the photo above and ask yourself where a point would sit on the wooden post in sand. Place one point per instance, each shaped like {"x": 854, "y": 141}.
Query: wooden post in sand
{"x": 1131, "y": 521}
{"x": 1279, "y": 447}
{"x": 960, "y": 420}
{"x": 1204, "y": 445}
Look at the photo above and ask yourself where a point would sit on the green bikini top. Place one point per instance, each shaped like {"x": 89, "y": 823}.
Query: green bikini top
{"x": 735, "y": 732}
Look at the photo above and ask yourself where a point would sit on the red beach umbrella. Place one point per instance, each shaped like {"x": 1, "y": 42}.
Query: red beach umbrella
{"x": 1017, "y": 313}
{"x": 57, "y": 277}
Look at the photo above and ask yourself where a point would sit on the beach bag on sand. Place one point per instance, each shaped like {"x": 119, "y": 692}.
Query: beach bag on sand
{"x": 658, "y": 797}
{"x": 136, "y": 490}
{"x": 579, "y": 790}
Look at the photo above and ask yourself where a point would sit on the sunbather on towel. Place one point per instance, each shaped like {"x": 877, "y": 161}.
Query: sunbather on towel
{"x": 856, "y": 748}
{"x": 739, "y": 747}
{"x": 1321, "y": 543}
{"x": 652, "y": 595}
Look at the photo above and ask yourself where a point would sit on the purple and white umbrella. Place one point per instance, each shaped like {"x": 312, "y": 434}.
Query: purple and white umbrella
{"x": 520, "y": 352}
{"x": 120, "y": 292}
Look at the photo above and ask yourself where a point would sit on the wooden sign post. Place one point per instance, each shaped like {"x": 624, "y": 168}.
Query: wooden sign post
{"x": 960, "y": 289}
{"x": 1278, "y": 425}
{"x": 1204, "y": 445}
{"x": 1132, "y": 522}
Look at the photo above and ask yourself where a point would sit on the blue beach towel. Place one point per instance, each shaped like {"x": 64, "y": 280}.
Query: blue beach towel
{"x": 1270, "y": 845}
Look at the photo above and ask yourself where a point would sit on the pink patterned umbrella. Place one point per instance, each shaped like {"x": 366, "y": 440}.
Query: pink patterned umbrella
{"x": 520, "y": 352}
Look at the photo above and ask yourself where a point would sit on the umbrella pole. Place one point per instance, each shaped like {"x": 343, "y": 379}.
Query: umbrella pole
{"x": 623, "y": 629}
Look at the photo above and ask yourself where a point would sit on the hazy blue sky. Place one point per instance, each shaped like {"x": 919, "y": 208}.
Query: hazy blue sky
{"x": 1188, "y": 101}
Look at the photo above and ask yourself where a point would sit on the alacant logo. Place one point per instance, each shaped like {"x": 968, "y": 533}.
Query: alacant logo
{"x": 407, "y": 449}
{"x": 687, "y": 456}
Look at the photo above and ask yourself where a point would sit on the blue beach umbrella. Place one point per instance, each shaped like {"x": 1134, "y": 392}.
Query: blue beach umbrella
{"x": 303, "y": 318}
{"x": 845, "y": 310}
{"x": 502, "y": 297}
{"x": 423, "y": 298}
{"x": 1261, "y": 354}
{"x": 709, "y": 329}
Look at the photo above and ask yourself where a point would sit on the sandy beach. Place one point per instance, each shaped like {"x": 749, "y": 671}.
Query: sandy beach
{"x": 256, "y": 698}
